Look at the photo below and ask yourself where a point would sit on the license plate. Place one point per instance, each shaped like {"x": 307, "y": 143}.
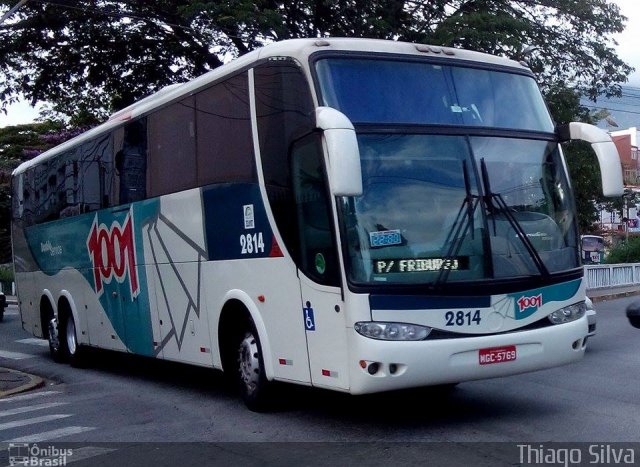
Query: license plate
{"x": 497, "y": 355}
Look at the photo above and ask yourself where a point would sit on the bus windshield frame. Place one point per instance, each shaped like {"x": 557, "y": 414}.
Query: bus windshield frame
{"x": 492, "y": 194}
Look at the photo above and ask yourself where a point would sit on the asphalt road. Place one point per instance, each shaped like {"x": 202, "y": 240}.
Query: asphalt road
{"x": 123, "y": 399}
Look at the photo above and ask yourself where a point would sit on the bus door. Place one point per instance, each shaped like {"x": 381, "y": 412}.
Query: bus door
{"x": 322, "y": 306}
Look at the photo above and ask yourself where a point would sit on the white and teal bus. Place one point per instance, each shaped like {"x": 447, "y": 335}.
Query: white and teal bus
{"x": 356, "y": 215}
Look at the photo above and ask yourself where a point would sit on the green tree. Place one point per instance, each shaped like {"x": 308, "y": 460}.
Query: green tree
{"x": 625, "y": 252}
{"x": 564, "y": 104}
{"x": 98, "y": 56}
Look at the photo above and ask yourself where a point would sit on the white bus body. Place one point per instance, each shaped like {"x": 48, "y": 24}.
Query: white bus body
{"x": 225, "y": 220}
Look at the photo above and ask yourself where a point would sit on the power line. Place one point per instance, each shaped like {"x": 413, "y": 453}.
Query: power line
{"x": 12, "y": 10}
{"x": 611, "y": 110}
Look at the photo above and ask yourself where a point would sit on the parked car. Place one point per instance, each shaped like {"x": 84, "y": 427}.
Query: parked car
{"x": 3, "y": 305}
{"x": 633, "y": 314}
{"x": 591, "y": 316}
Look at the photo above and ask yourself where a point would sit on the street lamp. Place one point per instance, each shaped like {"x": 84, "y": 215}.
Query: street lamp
{"x": 627, "y": 196}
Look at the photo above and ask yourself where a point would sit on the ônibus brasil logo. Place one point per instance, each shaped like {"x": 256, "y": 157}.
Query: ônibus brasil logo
{"x": 113, "y": 254}
{"x": 525, "y": 303}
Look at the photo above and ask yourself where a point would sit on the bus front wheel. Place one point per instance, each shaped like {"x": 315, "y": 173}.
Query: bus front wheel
{"x": 251, "y": 378}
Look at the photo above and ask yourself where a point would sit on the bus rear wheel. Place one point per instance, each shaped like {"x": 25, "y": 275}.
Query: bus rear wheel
{"x": 53, "y": 336}
{"x": 250, "y": 375}
{"x": 74, "y": 351}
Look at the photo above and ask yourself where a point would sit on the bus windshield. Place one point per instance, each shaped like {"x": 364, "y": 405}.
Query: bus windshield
{"x": 423, "y": 210}
{"x": 452, "y": 207}
{"x": 419, "y": 93}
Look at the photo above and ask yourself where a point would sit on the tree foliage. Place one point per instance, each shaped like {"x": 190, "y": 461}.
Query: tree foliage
{"x": 98, "y": 56}
{"x": 564, "y": 104}
{"x": 625, "y": 252}
{"x": 88, "y": 58}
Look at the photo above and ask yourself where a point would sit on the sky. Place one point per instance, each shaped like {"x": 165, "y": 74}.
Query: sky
{"x": 628, "y": 50}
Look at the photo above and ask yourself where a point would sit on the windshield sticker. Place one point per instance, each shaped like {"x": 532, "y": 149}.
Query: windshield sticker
{"x": 385, "y": 238}
{"x": 420, "y": 265}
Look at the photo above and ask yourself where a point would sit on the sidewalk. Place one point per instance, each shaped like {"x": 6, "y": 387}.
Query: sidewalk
{"x": 610, "y": 293}
{"x": 13, "y": 382}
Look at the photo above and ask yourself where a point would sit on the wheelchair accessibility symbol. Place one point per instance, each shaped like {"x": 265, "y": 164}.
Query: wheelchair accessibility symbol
{"x": 309, "y": 321}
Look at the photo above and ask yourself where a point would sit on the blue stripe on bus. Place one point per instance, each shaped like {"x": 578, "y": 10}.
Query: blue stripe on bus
{"x": 224, "y": 220}
{"x": 413, "y": 302}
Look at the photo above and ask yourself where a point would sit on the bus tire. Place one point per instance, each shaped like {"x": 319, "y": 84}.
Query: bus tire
{"x": 74, "y": 351}
{"x": 250, "y": 375}
{"x": 53, "y": 336}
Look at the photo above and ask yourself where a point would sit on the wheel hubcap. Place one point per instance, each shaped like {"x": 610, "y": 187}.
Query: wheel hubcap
{"x": 249, "y": 362}
{"x": 71, "y": 336}
{"x": 53, "y": 334}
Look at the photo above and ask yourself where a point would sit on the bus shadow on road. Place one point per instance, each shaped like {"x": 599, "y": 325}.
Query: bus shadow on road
{"x": 432, "y": 405}
{"x": 408, "y": 408}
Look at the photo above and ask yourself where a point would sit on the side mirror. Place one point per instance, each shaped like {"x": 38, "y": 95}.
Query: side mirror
{"x": 345, "y": 174}
{"x": 606, "y": 151}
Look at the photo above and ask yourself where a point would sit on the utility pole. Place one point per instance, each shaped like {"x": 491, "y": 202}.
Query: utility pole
{"x": 13, "y": 10}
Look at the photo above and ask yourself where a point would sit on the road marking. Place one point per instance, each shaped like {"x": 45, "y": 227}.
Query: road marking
{"x": 34, "y": 341}
{"x": 26, "y": 397}
{"x": 47, "y": 435}
{"x": 33, "y": 408}
{"x": 31, "y": 421}
{"x": 15, "y": 355}
{"x": 11, "y": 313}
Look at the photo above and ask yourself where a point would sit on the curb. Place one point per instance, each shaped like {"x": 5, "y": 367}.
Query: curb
{"x": 613, "y": 296}
{"x": 33, "y": 383}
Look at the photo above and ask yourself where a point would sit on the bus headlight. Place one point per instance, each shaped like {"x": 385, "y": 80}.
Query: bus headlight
{"x": 568, "y": 313}
{"x": 392, "y": 331}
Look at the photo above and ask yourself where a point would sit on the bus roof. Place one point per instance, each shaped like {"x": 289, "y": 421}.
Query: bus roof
{"x": 299, "y": 49}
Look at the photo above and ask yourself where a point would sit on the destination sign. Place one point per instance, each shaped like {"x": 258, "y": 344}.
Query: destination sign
{"x": 386, "y": 266}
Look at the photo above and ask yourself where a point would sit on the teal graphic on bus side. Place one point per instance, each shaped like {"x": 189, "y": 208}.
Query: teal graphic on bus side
{"x": 528, "y": 302}
{"x": 106, "y": 247}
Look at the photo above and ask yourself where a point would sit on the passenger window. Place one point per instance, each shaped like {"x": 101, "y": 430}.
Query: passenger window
{"x": 225, "y": 143}
{"x": 284, "y": 111}
{"x": 172, "y": 148}
{"x": 131, "y": 163}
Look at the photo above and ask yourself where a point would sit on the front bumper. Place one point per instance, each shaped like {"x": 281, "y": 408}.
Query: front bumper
{"x": 424, "y": 363}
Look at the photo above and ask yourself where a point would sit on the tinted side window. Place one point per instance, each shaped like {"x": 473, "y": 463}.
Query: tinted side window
{"x": 284, "y": 108}
{"x": 76, "y": 181}
{"x": 172, "y": 155}
{"x": 318, "y": 258}
{"x": 130, "y": 181}
{"x": 96, "y": 173}
{"x": 225, "y": 147}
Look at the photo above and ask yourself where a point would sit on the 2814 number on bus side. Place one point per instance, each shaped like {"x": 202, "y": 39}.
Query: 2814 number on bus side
{"x": 251, "y": 243}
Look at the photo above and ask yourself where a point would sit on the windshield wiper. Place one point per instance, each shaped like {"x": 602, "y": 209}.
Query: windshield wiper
{"x": 461, "y": 225}
{"x": 496, "y": 204}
